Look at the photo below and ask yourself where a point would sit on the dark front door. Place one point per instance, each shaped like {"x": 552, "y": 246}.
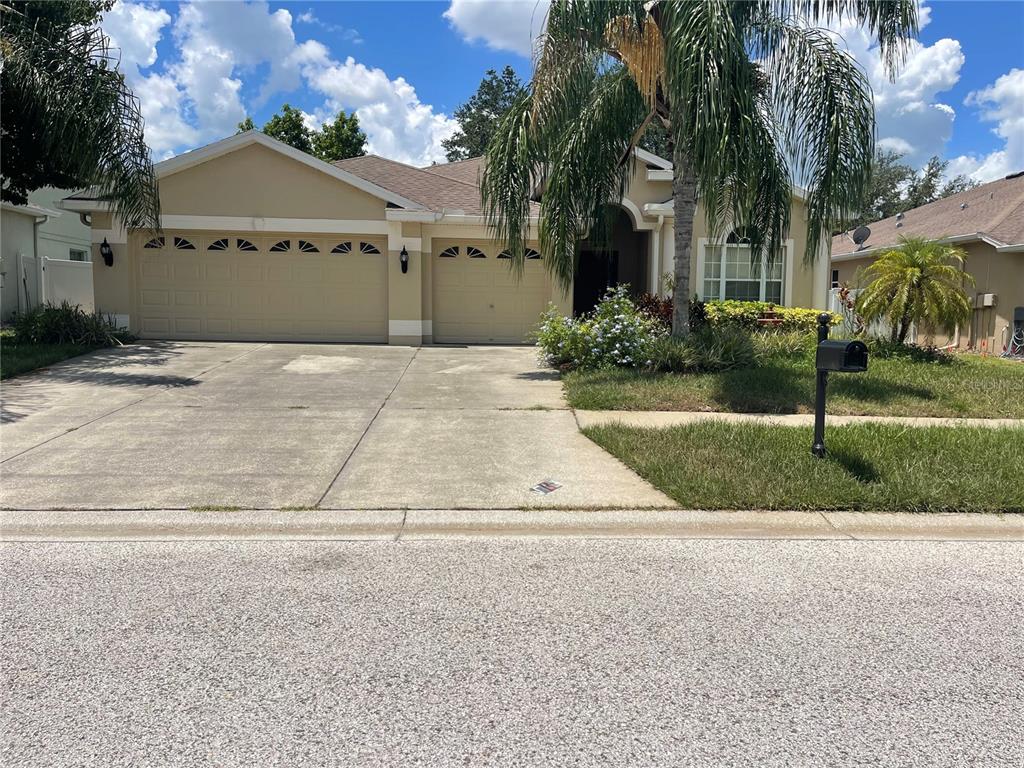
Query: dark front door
{"x": 596, "y": 272}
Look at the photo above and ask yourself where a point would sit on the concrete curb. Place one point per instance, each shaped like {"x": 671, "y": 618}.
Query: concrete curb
{"x": 356, "y": 525}
{"x": 659, "y": 419}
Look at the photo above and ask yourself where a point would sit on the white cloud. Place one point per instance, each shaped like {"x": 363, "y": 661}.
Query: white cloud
{"x": 398, "y": 125}
{"x": 505, "y": 25}
{"x": 135, "y": 29}
{"x": 909, "y": 112}
{"x": 196, "y": 96}
{"x": 345, "y": 33}
{"x": 1002, "y": 103}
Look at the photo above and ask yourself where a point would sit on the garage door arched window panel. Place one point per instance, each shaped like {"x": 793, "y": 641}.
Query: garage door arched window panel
{"x": 182, "y": 244}
{"x": 369, "y": 249}
{"x": 245, "y": 245}
{"x": 450, "y": 253}
{"x": 156, "y": 242}
{"x": 218, "y": 245}
{"x": 281, "y": 246}
{"x": 345, "y": 247}
{"x": 475, "y": 253}
{"x": 307, "y": 247}
{"x": 731, "y": 273}
{"x": 529, "y": 254}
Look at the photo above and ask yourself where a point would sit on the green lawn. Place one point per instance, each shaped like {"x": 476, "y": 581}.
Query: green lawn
{"x": 18, "y": 358}
{"x": 714, "y": 465}
{"x": 968, "y": 386}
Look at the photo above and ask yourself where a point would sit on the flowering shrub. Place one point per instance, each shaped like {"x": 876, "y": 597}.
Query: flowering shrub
{"x": 616, "y": 333}
{"x": 746, "y": 314}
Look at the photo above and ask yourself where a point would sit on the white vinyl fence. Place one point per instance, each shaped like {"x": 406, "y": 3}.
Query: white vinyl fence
{"x": 879, "y": 328}
{"x": 52, "y": 281}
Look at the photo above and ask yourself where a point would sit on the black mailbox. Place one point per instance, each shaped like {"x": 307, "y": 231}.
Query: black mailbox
{"x": 843, "y": 356}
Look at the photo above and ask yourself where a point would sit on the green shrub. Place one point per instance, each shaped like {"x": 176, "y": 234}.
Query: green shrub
{"x": 674, "y": 355}
{"x": 66, "y": 324}
{"x": 745, "y": 314}
{"x": 707, "y": 350}
{"x": 886, "y": 349}
{"x": 616, "y": 333}
{"x": 785, "y": 344}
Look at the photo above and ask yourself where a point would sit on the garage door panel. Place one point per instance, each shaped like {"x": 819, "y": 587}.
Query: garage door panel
{"x": 482, "y": 301}
{"x": 214, "y": 272}
{"x": 236, "y": 294}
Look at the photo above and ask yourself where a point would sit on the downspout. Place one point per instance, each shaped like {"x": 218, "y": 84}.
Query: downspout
{"x": 655, "y": 266}
{"x": 40, "y": 267}
{"x": 38, "y": 222}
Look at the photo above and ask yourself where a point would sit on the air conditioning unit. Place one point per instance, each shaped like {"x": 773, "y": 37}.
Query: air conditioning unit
{"x": 983, "y": 300}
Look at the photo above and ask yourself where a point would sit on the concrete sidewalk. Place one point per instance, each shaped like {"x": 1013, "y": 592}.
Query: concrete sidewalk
{"x": 660, "y": 419}
{"x": 341, "y": 525}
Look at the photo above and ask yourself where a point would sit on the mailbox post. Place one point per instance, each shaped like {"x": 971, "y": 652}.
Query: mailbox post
{"x": 842, "y": 356}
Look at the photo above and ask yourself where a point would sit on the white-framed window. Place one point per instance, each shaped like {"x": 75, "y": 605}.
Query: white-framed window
{"x": 78, "y": 254}
{"x": 729, "y": 273}
{"x": 835, "y": 278}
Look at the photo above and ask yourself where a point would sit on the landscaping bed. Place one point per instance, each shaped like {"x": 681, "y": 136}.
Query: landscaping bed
{"x": 49, "y": 334}
{"x": 17, "y": 358}
{"x": 883, "y": 467}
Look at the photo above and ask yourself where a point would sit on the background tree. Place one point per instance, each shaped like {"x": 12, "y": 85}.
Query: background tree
{"x": 339, "y": 139}
{"x": 919, "y": 282}
{"x": 895, "y": 187}
{"x": 478, "y": 118}
{"x": 927, "y": 187}
{"x": 246, "y": 125}
{"x": 739, "y": 87}
{"x": 290, "y": 128}
{"x": 68, "y": 117}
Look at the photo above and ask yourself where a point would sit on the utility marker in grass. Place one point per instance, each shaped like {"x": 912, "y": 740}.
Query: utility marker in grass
{"x": 841, "y": 356}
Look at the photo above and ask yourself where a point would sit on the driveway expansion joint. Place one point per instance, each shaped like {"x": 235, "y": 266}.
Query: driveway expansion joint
{"x": 362, "y": 436}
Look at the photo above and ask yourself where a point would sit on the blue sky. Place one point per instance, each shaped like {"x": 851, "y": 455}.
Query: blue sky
{"x": 199, "y": 67}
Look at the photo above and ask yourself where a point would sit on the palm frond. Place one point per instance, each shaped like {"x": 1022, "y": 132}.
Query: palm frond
{"x": 822, "y": 100}
{"x": 70, "y": 84}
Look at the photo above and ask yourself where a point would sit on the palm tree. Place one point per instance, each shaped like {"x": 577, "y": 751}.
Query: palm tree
{"x": 69, "y": 118}
{"x": 751, "y": 94}
{"x": 919, "y": 282}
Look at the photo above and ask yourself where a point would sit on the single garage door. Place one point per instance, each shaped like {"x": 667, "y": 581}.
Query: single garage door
{"x": 255, "y": 287}
{"x": 477, "y": 299}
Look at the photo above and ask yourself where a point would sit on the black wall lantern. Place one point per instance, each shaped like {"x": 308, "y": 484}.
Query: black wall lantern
{"x": 107, "y": 253}
{"x": 403, "y": 259}
{"x": 839, "y": 356}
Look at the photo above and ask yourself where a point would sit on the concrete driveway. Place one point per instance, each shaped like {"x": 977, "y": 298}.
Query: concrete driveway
{"x": 177, "y": 425}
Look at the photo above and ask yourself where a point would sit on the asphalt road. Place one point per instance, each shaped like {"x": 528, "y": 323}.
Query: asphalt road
{"x": 512, "y": 653}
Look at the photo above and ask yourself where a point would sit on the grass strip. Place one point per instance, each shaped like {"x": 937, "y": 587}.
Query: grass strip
{"x": 881, "y": 467}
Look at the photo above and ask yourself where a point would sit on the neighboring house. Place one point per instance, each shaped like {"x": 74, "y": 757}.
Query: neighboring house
{"x": 37, "y": 245}
{"x": 987, "y": 222}
{"x": 61, "y": 237}
{"x": 262, "y": 241}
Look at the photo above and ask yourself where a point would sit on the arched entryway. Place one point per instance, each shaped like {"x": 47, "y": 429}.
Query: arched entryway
{"x": 615, "y": 256}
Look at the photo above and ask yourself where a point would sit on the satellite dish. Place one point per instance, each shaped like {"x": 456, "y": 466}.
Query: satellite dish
{"x": 860, "y": 236}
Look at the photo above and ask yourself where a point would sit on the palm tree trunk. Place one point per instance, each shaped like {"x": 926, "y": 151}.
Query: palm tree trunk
{"x": 684, "y": 204}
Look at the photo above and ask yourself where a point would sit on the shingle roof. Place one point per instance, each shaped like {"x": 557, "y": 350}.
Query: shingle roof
{"x": 467, "y": 171}
{"x": 433, "y": 190}
{"x": 449, "y": 187}
{"x": 995, "y": 210}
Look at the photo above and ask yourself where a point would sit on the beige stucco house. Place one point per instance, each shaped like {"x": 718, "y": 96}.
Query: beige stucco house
{"x": 987, "y": 222}
{"x": 262, "y": 241}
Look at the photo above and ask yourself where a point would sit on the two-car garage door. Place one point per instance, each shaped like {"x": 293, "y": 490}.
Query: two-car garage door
{"x": 314, "y": 287}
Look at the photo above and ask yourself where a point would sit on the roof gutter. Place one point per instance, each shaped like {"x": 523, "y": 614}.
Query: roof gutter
{"x": 972, "y": 237}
